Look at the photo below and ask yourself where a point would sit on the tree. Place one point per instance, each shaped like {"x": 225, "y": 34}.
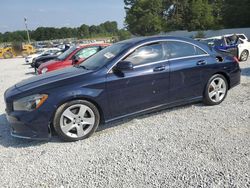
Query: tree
{"x": 144, "y": 17}
{"x": 129, "y": 3}
{"x": 176, "y": 14}
{"x": 236, "y": 13}
{"x": 124, "y": 34}
{"x": 83, "y": 31}
{"x": 201, "y": 16}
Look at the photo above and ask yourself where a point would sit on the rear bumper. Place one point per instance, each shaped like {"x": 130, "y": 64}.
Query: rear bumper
{"x": 235, "y": 78}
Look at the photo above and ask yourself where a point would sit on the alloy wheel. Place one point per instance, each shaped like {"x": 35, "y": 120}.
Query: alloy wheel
{"x": 77, "y": 120}
{"x": 244, "y": 55}
{"x": 217, "y": 89}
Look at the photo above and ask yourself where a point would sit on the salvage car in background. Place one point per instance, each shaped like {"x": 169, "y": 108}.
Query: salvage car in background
{"x": 72, "y": 56}
{"x": 47, "y": 57}
{"x": 40, "y": 52}
{"x": 128, "y": 78}
{"x": 236, "y": 44}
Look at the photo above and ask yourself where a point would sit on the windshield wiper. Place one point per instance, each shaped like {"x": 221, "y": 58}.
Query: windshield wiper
{"x": 81, "y": 66}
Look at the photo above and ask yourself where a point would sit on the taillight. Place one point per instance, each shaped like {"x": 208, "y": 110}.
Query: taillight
{"x": 236, "y": 59}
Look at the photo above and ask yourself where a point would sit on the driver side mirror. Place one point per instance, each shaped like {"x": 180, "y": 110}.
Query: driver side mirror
{"x": 124, "y": 66}
{"x": 75, "y": 60}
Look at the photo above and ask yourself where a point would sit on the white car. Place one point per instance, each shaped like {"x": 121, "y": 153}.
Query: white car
{"x": 40, "y": 52}
{"x": 237, "y": 44}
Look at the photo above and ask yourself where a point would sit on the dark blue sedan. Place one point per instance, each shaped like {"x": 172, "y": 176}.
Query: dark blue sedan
{"x": 128, "y": 78}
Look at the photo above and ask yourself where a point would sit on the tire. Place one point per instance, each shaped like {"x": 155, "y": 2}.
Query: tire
{"x": 70, "y": 117}
{"x": 7, "y": 55}
{"x": 244, "y": 55}
{"x": 216, "y": 90}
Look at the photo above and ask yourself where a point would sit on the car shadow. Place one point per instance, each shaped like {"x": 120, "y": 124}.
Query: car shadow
{"x": 245, "y": 71}
{"x": 6, "y": 140}
{"x": 146, "y": 115}
{"x": 30, "y": 73}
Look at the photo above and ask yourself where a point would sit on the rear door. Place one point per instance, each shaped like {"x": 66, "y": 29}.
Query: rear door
{"x": 188, "y": 64}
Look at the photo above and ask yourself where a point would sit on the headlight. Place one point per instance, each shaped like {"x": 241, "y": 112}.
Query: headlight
{"x": 29, "y": 103}
{"x": 44, "y": 70}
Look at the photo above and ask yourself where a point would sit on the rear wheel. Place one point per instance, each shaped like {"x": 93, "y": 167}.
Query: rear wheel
{"x": 76, "y": 120}
{"x": 216, "y": 90}
{"x": 244, "y": 55}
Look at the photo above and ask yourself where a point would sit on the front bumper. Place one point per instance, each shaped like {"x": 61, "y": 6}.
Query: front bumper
{"x": 28, "y": 130}
{"x": 23, "y": 125}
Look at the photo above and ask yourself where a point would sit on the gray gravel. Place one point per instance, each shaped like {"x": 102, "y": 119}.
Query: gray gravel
{"x": 190, "y": 146}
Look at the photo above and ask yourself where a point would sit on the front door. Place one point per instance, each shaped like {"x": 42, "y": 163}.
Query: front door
{"x": 142, "y": 87}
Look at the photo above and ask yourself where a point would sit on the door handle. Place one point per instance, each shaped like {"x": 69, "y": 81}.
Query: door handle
{"x": 160, "y": 68}
{"x": 201, "y": 62}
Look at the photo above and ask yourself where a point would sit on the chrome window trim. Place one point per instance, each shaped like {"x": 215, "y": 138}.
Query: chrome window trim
{"x": 171, "y": 59}
{"x": 166, "y": 40}
{"x": 151, "y": 63}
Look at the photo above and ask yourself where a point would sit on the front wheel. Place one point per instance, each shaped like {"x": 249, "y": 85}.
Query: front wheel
{"x": 216, "y": 90}
{"x": 76, "y": 120}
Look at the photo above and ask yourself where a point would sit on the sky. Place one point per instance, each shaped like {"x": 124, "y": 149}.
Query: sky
{"x": 59, "y": 13}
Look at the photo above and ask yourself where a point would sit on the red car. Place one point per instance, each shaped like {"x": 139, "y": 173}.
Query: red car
{"x": 74, "y": 55}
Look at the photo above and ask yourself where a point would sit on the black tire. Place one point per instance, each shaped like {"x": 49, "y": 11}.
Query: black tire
{"x": 7, "y": 55}
{"x": 244, "y": 55}
{"x": 206, "y": 98}
{"x": 59, "y": 113}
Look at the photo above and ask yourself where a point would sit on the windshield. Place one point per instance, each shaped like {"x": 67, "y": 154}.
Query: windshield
{"x": 104, "y": 56}
{"x": 65, "y": 54}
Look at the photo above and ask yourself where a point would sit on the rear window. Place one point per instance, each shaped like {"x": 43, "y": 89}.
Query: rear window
{"x": 176, "y": 49}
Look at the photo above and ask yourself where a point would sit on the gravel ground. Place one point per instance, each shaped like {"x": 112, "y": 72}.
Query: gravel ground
{"x": 190, "y": 146}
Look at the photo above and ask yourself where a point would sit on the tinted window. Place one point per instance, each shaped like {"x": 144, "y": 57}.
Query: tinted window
{"x": 175, "y": 49}
{"x": 146, "y": 54}
{"x": 65, "y": 54}
{"x": 242, "y": 36}
{"x": 199, "y": 51}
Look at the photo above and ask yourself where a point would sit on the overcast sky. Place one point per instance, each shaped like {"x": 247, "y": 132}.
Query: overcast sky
{"x": 59, "y": 13}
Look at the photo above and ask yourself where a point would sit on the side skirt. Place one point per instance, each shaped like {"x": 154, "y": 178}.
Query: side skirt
{"x": 157, "y": 108}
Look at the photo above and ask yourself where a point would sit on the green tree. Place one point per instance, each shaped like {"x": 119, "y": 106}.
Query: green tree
{"x": 236, "y": 13}
{"x": 123, "y": 34}
{"x": 83, "y": 31}
{"x": 201, "y": 16}
{"x": 177, "y": 14}
{"x": 144, "y": 17}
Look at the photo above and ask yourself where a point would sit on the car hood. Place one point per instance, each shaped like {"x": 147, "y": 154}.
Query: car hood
{"x": 32, "y": 56}
{"x": 51, "y": 62}
{"x": 48, "y": 56}
{"x": 51, "y": 79}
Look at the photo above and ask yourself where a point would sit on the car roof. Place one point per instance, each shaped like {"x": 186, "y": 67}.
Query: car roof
{"x": 141, "y": 40}
{"x": 93, "y": 44}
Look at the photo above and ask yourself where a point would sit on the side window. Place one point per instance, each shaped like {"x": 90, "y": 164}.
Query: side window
{"x": 242, "y": 37}
{"x": 176, "y": 49}
{"x": 146, "y": 54}
{"x": 87, "y": 52}
{"x": 199, "y": 51}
